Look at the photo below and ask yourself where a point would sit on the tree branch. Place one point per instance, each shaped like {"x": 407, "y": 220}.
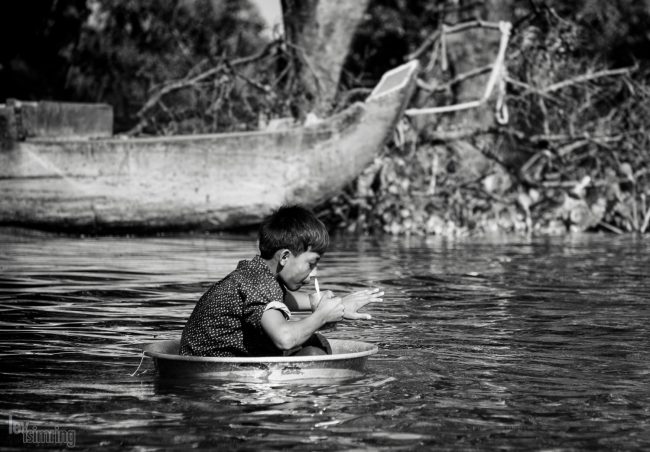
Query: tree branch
{"x": 192, "y": 81}
{"x": 587, "y": 77}
{"x": 458, "y": 79}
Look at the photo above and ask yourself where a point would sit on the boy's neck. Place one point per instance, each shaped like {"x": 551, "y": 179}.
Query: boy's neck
{"x": 273, "y": 264}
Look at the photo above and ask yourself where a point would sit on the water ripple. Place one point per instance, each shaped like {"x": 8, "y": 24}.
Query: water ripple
{"x": 503, "y": 343}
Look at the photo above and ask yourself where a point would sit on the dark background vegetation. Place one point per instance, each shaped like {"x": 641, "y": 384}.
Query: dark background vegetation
{"x": 229, "y": 77}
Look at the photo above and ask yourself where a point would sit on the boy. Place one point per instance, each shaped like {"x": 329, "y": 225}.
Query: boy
{"x": 247, "y": 312}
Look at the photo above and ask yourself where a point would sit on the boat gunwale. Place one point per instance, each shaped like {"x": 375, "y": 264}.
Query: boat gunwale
{"x": 373, "y": 349}
{"x": 328, "y": 124}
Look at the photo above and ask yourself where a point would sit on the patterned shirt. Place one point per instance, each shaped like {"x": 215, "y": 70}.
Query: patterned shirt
{"x": 227, "y": 318}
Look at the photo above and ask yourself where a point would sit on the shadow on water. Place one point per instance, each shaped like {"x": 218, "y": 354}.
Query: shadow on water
{"x": 484, "y": 344}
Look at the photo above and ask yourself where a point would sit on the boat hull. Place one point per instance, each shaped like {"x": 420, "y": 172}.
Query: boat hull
{"x": 212, "y": 182}
{"x": 347, "y": 361}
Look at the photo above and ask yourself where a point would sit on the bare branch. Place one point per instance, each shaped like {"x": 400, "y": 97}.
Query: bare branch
{"x": 587, "y": 77}
{"x": 527, "y": 87}
{"x": 257, "y": 56}
{"x": 612, "y": 228}
{"x": 253, "y": 83}
{"x": 458, "y": 79}
{"x": 433, "y": 37}
{"x": 175, "y": 86}
{"x": 184, "y": 83}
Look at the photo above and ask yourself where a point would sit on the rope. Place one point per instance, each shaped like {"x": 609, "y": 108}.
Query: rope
{"x": 501, "y": 109}
{"x": 497, "y": 75}
{"x": 139, "y": 365}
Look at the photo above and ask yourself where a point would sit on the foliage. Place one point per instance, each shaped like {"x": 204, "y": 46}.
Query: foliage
{"x": 575, "y": 155}
{"x": 122, "y": 51}
{"x": 390, "y": 30}
{"x": 582, "y": 129}
{"x": 614, "y": 30}
{"x": 38, "y": 40}
{"x": 128, "y": 49}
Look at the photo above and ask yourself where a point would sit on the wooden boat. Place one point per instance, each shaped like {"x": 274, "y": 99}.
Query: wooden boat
{"x": 347, "y": 361}
{"x": 215, "y": 181}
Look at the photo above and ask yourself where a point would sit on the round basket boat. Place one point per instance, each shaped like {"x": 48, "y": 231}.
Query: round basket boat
{"x": 347, "y": 361}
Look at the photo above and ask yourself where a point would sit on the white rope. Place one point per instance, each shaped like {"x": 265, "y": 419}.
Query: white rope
{"x": 501, "y": 108}
{"x": 497, "y": 75}
{"x": 136, "y": 370}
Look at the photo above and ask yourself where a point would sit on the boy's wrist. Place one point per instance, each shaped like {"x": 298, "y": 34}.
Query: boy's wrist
{"x": 319, "y": 317}
{"x": 314, "y": 301}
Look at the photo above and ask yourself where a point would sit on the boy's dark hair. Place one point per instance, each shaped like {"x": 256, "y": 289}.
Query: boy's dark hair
{"x": 294, "y": 228}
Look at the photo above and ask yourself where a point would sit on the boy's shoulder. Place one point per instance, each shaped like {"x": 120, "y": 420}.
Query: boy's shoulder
{"x": 251, "y": 279}
{"x": 249, "y": 275}
{"x": 248, "y": 281}
{"x": 254, "y": 272}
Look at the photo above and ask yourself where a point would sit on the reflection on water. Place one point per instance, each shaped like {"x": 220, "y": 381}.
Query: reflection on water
{"x": 484, "y": 344}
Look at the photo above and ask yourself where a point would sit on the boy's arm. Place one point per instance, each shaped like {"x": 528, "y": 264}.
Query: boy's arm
{"x": 297, "y": 301}
{"x": 287, "y": 335}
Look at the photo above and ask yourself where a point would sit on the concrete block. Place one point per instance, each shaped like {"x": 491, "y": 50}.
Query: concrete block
{"x": 64, "y": 119}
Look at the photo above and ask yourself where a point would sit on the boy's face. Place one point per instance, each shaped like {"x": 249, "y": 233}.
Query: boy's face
{"x": 298, "y": 269}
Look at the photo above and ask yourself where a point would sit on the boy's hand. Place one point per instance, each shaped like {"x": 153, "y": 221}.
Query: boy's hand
{"x": 330, "y": 307}
{"x": 358, "y": 300}
{"x": 314, "y": 299}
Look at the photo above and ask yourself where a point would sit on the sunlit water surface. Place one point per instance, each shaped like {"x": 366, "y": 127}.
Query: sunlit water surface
{"x": 484, "y": 344}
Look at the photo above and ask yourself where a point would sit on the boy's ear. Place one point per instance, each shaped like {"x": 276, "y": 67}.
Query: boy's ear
{"x": 283, "y": 256}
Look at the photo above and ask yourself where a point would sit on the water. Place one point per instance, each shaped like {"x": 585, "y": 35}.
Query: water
{"x": 517, "y": 343}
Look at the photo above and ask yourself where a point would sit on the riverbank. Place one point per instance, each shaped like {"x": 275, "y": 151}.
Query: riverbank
{"x": 574, "y": 154}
